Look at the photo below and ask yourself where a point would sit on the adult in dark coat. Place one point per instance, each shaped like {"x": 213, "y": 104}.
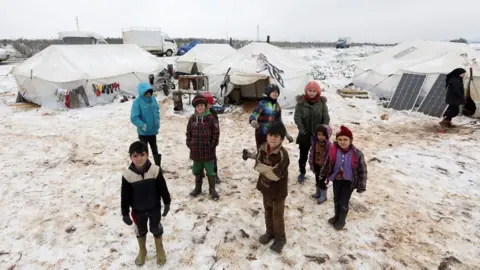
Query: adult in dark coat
{"x": 455, "y": 95}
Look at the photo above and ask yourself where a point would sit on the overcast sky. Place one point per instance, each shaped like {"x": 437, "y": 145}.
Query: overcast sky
{"x": 293, "y": 20}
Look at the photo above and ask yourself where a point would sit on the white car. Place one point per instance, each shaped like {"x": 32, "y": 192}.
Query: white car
{"x": 3, "y": 55}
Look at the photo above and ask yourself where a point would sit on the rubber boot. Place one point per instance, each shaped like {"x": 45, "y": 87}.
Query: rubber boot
{"x": 278, "y": 244}
{"x": 301, "y": 178}
{"x": 161, "y": 257}
{"x": 317, "y": 193}
{"x": 211, "y": 188}
{"x": 266, "y": 238}
{"x": 342, "y": 216}
{"x": 198, "y": 186}
{"x": 142, "y": 250}
{"x": 323, "y": 196}
{"x": 334, "y": 219}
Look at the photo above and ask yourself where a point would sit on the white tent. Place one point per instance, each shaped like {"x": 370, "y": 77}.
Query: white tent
{"x": 71, "y": 66}
{"x": 203, "y": 55}
{"x": 381, "y": 73}
{"x": 247, "y": 73}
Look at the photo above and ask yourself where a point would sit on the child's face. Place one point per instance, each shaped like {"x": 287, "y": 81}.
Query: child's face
{"x": 139, "y": 159}
{"x": 200, "y": 108}
{"x": 274, "y": 140}
{"x": 148, "y": 94}
{"x": 321, "y": 137}
{"x": 344, "y": 142}
{"x": 274, "y": 94}
{"x": 311, "y": 93}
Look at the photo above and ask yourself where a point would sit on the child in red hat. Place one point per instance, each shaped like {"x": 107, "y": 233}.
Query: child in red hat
{"x": 346, "y": 167}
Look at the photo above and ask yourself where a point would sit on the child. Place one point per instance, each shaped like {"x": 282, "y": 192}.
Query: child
{"x": 318, "y": 154}
{"x": 272, "y": 163}
{"x": 267, "y": 111}
{"x": 346, "y": 167}
{"x": 143, "y": 186}
{"x": 203, "y": 134}
{"x": 210, "y": 102}
{"x": 311, "y": 111}
{"x": 145, "y": 115}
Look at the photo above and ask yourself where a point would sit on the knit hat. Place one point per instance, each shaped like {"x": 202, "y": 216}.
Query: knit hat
{"x": 277, "y": 128}
{"x": 313, "y": 85}
{"x": 209, "y": 98}
{"x": 270, "y": 88}
{"x": 344, "y": 131}
{"x": 199, "y": 99}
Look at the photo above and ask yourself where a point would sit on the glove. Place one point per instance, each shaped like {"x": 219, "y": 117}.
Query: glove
{"x": 254, "y": 124}
{"x": 289, "y": 138}
{"x": 127, "y": 220}
{"x": 166, "y": 209}
{"x": 144, "y": 128}
{"x": 360, "y": 190}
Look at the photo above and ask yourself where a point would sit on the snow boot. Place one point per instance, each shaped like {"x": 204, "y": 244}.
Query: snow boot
{"x": 198, "y": 186}
{"x": 334, "y": 219}
{"x": 301, "y": 178}
{"x": 211, "y": 188}
{"x": 278, "y": 245}
{"x": 342, "y": 216}
{"x": 161, "y": 257}
{"x": 265, "y": 239}
{"x": 323, "y": 196}
{"x": 142, "y": 251}
{"x": 317, "y": 193}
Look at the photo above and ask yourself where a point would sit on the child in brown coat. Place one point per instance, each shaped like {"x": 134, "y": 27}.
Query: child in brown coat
{"x": 272, "y": 163}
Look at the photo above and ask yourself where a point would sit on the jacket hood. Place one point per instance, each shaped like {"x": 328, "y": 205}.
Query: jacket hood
{"x": 142, "y": 88}
{"x": 300, "y": 99}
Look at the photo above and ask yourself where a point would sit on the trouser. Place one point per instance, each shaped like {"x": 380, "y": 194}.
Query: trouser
{"x": 303, "y": 157}
{"x": 152, "y": 141}
{"x": 274, "y": 216}
{"x": 342, "y": 191}
{"x": 141, "y": 218}
{"x": 199, "y": 166}
{"x": 451, "y": 112}
{"x": 320, "y": 183}
{"x": 260, "y": 139}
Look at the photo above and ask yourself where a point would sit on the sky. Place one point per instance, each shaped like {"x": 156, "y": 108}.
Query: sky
{"x": 382, "y": 21}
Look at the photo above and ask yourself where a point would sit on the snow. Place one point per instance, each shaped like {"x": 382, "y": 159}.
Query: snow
{"x": 63, "y": 168}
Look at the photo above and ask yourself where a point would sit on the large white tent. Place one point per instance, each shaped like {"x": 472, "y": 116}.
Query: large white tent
{"x": 67, "y": 67}
{"x": 381, "y": 73}
{"x": 203, "y": 55}
{"x": 248, "y": 75}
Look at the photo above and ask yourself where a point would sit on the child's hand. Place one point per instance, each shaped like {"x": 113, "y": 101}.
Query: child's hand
{"x": 144, "y": 128}
{"x": 166, "y": 209}
{"x": 289, "y": 138}
{"x": 360, "y": 190}
{"x": 327, "y": 181}
{"x": 254, "y": 124}
{"x": 127, "y": 220}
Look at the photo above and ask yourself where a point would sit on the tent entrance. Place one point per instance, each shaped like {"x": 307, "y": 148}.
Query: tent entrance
{"x": 249, "y": 92}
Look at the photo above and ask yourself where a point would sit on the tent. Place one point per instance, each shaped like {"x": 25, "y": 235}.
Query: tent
{"x": 381, "y": 73}
{"x": 103, "y": 71}
{"x": 252, "y": 67}
{"x": 203, "y": 55}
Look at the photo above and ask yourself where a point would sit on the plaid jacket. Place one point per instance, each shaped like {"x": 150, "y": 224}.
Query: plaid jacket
{"x": 359, "y": 167}
{"x": 265, "y": 113}
{"x": 203, "y": 133}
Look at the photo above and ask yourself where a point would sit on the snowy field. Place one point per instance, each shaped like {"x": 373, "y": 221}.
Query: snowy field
{"x": 61, "y": 176}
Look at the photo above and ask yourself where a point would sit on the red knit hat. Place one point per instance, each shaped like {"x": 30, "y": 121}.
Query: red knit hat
{"x": 344, "y": 131}
{"x": 209, "y": 98}
{"x": 313, "y": 85}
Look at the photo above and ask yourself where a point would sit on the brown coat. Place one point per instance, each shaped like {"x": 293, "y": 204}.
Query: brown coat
{"x": 273, "y": 169}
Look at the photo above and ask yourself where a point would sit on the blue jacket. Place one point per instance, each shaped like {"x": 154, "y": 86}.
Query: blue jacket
{"x": 145, "y": 111}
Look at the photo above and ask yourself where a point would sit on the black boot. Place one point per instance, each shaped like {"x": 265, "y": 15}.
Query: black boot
{"x": 317, "y": 193}
{"x": 211, "y": 188}
{"x": 198, "y": 186}
{"x": 334, "y": 219}
{"x": 278, "y": 244}
{"x": 342, "y": 215}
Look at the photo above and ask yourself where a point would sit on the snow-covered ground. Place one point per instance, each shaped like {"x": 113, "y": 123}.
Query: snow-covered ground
{"x": 61, "y": 175}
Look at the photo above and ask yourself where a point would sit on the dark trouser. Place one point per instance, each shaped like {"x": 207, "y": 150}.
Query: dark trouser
{"x": 320, "y": 183}
{"x": 274, "y": 216}
{"x": 141, "y": 218}
{"x": 260, "y": 139}
{"x": 152, "y": 140}
{"x": 451, "y": 112}
{"x": 342, "y": 191}
{"x": 303, "y": 158}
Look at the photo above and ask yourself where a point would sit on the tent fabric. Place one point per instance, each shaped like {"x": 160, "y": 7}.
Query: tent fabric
{"x": 381, "y": 73}
{"x": 71, "y": 66}
{"x": 204, "y": 55}
{"x": 244, "y": 64}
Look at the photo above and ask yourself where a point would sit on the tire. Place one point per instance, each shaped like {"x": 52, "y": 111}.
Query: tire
{"x": 169, "y": 53}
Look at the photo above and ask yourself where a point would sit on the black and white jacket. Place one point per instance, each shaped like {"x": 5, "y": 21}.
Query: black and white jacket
{"x": 142, "y": 191}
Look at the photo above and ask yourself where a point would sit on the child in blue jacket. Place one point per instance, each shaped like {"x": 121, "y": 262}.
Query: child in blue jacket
{"x": 145, "y": 115}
